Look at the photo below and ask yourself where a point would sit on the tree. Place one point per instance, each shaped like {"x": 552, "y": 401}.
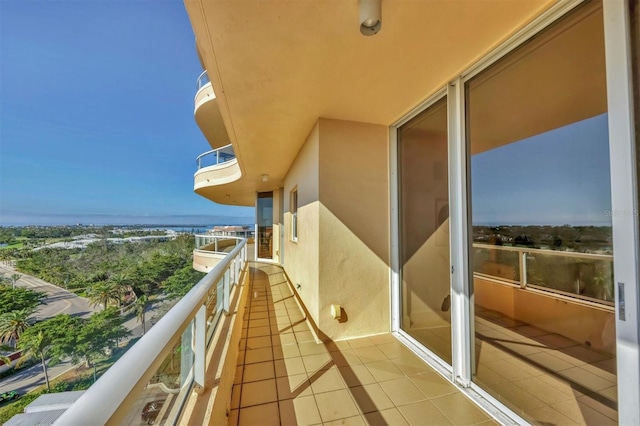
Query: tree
{"x": 15, "y": 278}
{"x": 181, "y": 282}
{"x": 120, "y": 283}
{"x": 13, "y": 324}
{"x": 35, "y": 344}
{"x": 13, "y": 299}
{"x": 54, "y": 337}
{"x": 140, "y": 306}
{"x": 102, "y": 293}
{"x": 97, "y": 335}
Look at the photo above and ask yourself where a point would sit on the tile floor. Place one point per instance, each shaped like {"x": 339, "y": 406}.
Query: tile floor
{"x": 284, "y": 377}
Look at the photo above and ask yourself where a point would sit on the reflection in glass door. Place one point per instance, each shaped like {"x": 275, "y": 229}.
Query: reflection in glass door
{"x": 542, "y": 252}
{"x": 424, "y": 229}
{"x": 265, "y": 225}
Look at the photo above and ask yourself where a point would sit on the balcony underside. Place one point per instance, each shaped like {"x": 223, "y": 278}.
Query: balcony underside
{"x": 273, "y": 87}
{"x": 222, "y": 184}
{"x": 208, "y": 118}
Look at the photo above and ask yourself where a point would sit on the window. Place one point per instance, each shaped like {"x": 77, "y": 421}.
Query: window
{"x": 294, "y": 215}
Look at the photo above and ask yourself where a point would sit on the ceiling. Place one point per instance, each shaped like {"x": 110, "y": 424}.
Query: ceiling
{"x": 278, "y": 66}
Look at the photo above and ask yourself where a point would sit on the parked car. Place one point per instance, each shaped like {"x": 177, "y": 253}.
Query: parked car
{"x": 151, "y": 410}
{"x": 8, "y": 396}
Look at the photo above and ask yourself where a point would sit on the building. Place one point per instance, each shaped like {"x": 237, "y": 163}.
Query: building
{"x": 375, "y": 138}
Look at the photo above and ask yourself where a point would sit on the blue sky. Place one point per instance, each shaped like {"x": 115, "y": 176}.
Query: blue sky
{"x": 555, "y": 178}
{"x": 96, "y": 113}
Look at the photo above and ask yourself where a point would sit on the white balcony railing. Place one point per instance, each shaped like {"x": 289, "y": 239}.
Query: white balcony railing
{"x": 217, "y": 243}
{"x": 202, "y": 80}
{"x": 168, "y": 362}
{"x": 216, "y": 156}
{"x": 586, "y": 276}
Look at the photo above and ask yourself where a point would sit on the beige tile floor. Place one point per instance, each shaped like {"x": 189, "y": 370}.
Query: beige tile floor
{"x": 284, "y": 377}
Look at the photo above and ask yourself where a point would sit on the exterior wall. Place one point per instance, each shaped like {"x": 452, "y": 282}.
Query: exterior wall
{"x": 354, "y": 228}
{"x": 302, "y": 257}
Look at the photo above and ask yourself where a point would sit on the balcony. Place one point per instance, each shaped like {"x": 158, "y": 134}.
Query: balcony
{"x": 241, "y": 349}
{"x": 207, "y": 113}
{"x": 211, "y": 249}
{"x": 264, "y": 365}
{"x": 216, "y": 167}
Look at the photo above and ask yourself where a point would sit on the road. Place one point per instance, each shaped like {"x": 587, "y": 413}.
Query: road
{"x": 57, "y": 301}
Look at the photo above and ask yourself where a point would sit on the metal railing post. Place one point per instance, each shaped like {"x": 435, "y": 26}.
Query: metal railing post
{"x": 215, "y": 241}
{"x": 226, "y": 288}
{"x": 200, "y": 346}
{"x": 523, "y": 268}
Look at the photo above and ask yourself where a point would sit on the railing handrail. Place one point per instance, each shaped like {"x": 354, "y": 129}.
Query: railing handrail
{"x": 136, "y": 367}
{"x": 199, "y": 80}
{"x": 544, "y": 251}
{"x": 216, "y": 152}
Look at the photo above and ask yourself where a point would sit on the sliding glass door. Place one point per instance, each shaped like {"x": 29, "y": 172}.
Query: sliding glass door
{"x": 264, "y": 218}
{"x": 542, "y": 251}
{"x": 424, "y": 229}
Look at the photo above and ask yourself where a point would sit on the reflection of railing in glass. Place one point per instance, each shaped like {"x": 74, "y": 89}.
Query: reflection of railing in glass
{"x": 216, "y": 156}
{"x": 583, "y": 275}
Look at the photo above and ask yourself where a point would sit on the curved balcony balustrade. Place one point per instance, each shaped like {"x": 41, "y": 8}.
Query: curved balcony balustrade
{"x": 207, "y": 113}
{"x": 211, "y": 249}
{"x": 216, "y": 167}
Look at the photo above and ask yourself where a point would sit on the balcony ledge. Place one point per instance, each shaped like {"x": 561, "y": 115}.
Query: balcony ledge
{"x": 208, "y": 117}
{"x": 219, "y": 174}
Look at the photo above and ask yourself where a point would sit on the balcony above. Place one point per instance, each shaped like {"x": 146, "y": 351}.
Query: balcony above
{"x": 207, "y": 113}
{"x": 211, "y": 249}
{"x": 216, "y": 169}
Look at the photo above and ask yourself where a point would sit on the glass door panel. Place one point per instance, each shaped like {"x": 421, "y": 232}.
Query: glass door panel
{"x": 542, "y": 251}
{"x": 424, "y": 229}
{"x": 265, "y": 225}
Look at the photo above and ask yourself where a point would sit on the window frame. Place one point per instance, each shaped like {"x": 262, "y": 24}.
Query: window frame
{"x": 293, "y": 207}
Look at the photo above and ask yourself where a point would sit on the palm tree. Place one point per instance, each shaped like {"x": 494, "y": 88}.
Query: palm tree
{"x": 101, "y": 293}
{"x": 35, "y": 344}
{"x": 15, "y": 278}
{"x": 140, "y": 307}
{"x": 13, "y": 324}
{"x": 121, "y": 286}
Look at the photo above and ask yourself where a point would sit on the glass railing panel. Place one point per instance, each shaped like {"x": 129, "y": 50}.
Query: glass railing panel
{"x": 497, "y": 263}
{"x": 216, "y": 156}
{"x": 162, "y": 399}
{"x": 202, "y": 80}
{"x": 580, "y": 276}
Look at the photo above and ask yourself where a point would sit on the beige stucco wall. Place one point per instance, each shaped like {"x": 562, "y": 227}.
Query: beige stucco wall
{"x": 354, "y": 227}
{"x": 301, "y": 258}
{"x": 342, "y": 253}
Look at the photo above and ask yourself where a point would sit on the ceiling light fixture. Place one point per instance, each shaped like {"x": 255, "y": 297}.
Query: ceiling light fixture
{"x": 370, "y": 17}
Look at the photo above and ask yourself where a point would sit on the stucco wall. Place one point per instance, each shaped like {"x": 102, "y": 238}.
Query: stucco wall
{"x": 354, "y": 227}
{"x": 301, "y": 258}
